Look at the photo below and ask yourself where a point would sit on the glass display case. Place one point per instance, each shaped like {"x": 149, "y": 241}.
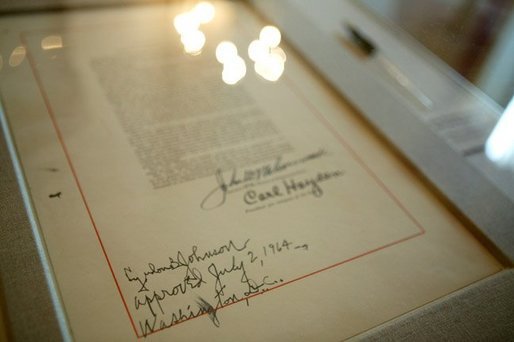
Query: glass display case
{"x": 201, "y": 170}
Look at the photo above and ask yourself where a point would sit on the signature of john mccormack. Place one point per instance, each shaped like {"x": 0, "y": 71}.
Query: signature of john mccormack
{"x": 216, "y": 197}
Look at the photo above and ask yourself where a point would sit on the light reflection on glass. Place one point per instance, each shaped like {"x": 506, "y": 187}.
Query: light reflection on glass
{"x": 188, "y": 24}
{"x": 268, "y": 57}
{"x": 279, "y": 53}
{"x": 499, "y": 147}
{"x": 17, "y": 56}
{"x": 193, "y": 41}
{"x": 225, "y": 50}
{"x": 234, "y": 67}
{"x": 204, "y": 11}
{"x": 257, "y": 50}
{"x": 270, "y": 35}
{"x": 270, "y": 68}
{"x": 51, "y": 42}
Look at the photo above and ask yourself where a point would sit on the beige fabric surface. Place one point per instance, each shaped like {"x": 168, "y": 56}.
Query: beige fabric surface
{"x": 480, "y": 312}
{"x": 28, "y": 307}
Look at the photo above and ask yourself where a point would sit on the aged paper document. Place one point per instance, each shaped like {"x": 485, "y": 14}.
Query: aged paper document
{"x": 175, "y": 206}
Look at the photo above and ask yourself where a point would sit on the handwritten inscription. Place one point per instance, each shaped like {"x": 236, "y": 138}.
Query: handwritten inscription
{"x": 216, "y": 197}
{"x": 200, "y": 282}
{"x": 290, "y": 187}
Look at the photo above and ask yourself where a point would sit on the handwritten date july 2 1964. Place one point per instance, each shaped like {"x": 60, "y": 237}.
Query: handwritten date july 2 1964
{"x": 223, "y": 272}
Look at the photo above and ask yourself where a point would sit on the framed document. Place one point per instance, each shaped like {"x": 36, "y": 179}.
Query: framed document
{"x": 191, "y": 177}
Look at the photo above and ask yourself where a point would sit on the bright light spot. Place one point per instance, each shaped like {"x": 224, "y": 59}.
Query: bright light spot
{"x": 257, "y": 50}
{"x": 270, "y": 35}
{"x": 193, "y": 41}
{"x": 499, "y": 147}
{"x": 225, "y": 50}
{"x": 51, "y": 42}
{"x": 269, "y": 58}
{"x": 270, "y": 68}
{"x": 17, "y": 56}
{"x": 204, "y": 11}
{"x": 186, "y": 22}
{"x": 279, "y": 53}
{"x": 234, "y": 69}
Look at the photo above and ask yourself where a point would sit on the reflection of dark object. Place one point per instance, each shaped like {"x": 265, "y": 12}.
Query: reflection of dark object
{"x": 461, "y": 33}
{"x": 58, "y": 195}
{"x": 482, "y": 20}
{"x": 361, "y": 41}
{"x": 209, "y": 309}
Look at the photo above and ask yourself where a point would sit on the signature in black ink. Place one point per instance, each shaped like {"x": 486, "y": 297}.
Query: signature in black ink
{"x": 291, "y": 186}
{"x": 251, "y": 286}
{"x": 151, "y": 325}
{"x": 218, "y": 196}
{"x": 222, "y": 281}
{"x": 222, "y": 295}
{"x": 192, "y": 280}
{"x": 182, "y": 261}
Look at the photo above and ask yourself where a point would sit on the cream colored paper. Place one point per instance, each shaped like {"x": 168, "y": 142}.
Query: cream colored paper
{"x": 175, "y": 206}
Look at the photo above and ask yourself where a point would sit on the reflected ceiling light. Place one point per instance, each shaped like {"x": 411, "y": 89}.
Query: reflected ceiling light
{"x": 225, "y": 51}
{"x": 270, "y": 35}
{"x": 279, "y": 53}
{"x": 17, "y": 56}
{"x": 186, "y": 22}
{"x": 193, "y": 41}
{"x": 499, "y": 147}
{"x": 234, "y": 67}
{"x": 51, "y": 42}
{"x": 257, "y": 50}
{"x": 204, "y": 11}
{"x": 234, "y": 70}
{"x": 269, "y": 58}
{"x": 270, "y": 68}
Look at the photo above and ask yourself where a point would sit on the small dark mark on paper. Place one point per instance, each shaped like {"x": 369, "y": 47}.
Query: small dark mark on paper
{"x": 57, "y": 194}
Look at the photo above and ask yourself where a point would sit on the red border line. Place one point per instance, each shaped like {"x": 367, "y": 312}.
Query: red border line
{"x": 313, "y": 110}
{"x": 73, "y": 171}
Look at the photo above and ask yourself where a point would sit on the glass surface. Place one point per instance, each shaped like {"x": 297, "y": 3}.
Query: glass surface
{"x": 194, "y": 180}
{"x": 476, "y": 38}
